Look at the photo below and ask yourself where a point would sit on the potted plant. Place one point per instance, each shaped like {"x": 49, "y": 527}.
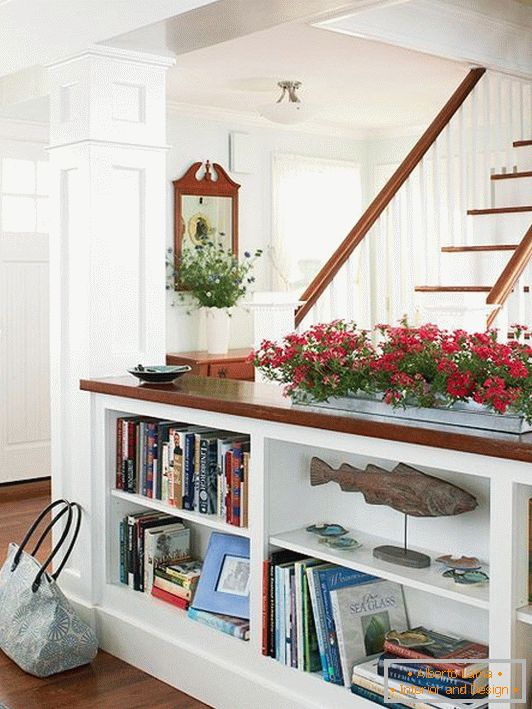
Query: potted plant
{"x": 423, "y": 373}
{"x": 216, "y": 281}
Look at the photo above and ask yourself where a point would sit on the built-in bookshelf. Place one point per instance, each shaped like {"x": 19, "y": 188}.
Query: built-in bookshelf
{"x": 159, "y": 637}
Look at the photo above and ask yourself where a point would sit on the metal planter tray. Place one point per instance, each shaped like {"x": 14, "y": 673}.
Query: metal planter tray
{"x": 468, "y": 415}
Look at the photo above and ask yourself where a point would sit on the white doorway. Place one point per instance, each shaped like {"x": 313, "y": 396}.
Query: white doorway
{"x": 24, "y": 316}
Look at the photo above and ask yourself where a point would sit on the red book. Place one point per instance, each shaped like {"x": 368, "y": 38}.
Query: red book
{"x": 119, "y": 478}
{"x": 228, "y": 495}
{"x": 444, "y": 647}
{"x": 169, "y": 598}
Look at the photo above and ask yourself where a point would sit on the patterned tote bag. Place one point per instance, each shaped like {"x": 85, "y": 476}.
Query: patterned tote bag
{"x": 39, "y": 629}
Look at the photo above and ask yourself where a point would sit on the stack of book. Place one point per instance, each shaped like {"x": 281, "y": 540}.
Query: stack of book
{"x": 188, "y": 467}
{"x": 323, "y": 616}
{"x": 149, "y": 540}
{"x": 445, "y": 681}
{"x": 176, "y": 583}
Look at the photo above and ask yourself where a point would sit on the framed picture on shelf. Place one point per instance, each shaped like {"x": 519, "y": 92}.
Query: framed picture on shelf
{"x": 223, "y": 586}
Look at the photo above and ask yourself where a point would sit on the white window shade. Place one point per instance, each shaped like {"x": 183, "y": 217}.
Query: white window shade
{"x": 316, "y": 202}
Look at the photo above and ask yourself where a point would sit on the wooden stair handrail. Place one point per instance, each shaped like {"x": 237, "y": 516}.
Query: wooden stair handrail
{"x": 513, "y": 270}
{"x": 387, "y": 193}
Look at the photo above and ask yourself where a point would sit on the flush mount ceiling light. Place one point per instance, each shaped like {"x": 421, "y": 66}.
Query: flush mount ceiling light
{"x": 288, "y": 111}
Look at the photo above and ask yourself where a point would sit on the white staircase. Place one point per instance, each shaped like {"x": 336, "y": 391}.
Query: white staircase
{"x": 468, "y": 272}
{"x": 439, "y": 245}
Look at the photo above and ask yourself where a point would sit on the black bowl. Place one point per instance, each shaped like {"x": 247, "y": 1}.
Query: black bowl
{"x": 160, "y": 374}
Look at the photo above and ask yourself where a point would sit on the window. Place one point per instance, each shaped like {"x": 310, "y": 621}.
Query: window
{"x": 24, "y": 189}
{"x": 316, "y": 203}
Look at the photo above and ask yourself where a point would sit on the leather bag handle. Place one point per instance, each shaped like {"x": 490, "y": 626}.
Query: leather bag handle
{"x": 59, "y": 545}
{"x": 34, "y": 526}
{"x": 70, "y": 549}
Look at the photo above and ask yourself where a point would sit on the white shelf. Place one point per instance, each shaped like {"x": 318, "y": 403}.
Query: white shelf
{"x": 524, "y": 614}
{"x": 429, "y": 580}
{"x": 212, "y": 521}
{"x": 169, "y": 619}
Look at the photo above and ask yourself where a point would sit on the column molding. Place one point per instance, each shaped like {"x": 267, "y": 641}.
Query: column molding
{"x": 107, "y": 251}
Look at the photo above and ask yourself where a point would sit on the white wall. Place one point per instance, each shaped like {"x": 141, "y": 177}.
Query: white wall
{"x": 192, "y": 139}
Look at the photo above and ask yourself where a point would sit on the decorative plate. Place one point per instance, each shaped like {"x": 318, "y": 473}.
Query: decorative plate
{"x": 341, "y": 543}
{"x": 327, "y": 529}
{"x": 465, "y": 563}
{"x": 467, "y": 578}
{"x": 159, "y": 374}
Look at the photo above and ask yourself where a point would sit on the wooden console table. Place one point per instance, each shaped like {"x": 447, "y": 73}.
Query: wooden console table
{"x": 232, "y": 365}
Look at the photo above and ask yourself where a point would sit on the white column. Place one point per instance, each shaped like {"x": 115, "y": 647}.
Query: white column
{"x": 107, "y": 247}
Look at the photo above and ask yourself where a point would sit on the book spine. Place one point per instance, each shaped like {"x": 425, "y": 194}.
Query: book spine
{"x": 123, "y": 551}
{"x": 271, "y": 610}
{"x": 411, "y": 654}
{"x": 337, "y": 674}
{"x": 244, "y": 490}
{"x": 178, "y": 471}
{"x": 151, "y": 444}
{"x": 131, "y": 450}
{"x": 265, "y": 606}
{"x": 169, "y": 598}
{"x": 374, "y": 697}
{"x": 433, "y": 684}
{"x": 119, "y": 482}
{"x": 293, "y": 619}
{"x": 142, "y": 458}
{"x": 202, "y": 476}
{"x": 124, "y": 455}
{"x": 188, "y": 503}
{"x": 235, "y": 486}
{"x": 130, "y": 551}
{"x": 212, "y": 477}
{"x": 196, "y": 472}
{"x": 279, "y": 616}
{"x": 311, "y": 654}
{"x": 319, "y": 620}
{"x": 228, "y": 495}
{"x": 418, "y": 676}
{"x": 213, "y": 621}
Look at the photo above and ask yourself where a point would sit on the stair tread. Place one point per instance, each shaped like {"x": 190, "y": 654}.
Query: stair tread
{"x": 522, "y": 143}
{"x": 500, "y": 210}
{"x": 479, "y": 247}
{"x": 511, "y": 175}
{"x": 451, "y": 289}
{"x": 459, "y": 289}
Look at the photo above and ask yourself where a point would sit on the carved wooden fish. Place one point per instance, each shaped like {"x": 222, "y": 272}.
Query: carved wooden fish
{"x": 405, "y": 489}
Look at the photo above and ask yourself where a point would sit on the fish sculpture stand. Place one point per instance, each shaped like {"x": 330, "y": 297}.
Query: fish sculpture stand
{"x": 404, "y": 489}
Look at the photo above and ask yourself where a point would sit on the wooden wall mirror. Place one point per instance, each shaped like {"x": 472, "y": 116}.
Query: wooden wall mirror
{"x": 206, "y": 204}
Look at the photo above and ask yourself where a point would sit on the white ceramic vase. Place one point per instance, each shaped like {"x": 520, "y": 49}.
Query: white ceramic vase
{"x": 218, "y": 322}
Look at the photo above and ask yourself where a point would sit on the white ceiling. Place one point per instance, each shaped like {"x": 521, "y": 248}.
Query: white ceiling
{"x": 39, "y": 31}
{"x": 358, "y": 84}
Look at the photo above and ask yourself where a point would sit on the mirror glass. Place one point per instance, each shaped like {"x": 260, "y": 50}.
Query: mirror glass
{"x": 206, "y": 217}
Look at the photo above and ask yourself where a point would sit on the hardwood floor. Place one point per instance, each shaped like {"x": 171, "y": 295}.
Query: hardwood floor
{"x": 107, "y": 682}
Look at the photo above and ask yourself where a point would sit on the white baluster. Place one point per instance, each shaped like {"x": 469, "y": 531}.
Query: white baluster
{"x": 486, "y": 140}
{"x": 450, "y": 240}
{"x": 462, "y": 175}
{"x": 351, "y": 280}
{"x": 510, "y": 123}
{"x": 408, "y": 248}
{"x": 499, "y": 124}
{"x": 474, "y": 192}
{"x": 435, "y": 269}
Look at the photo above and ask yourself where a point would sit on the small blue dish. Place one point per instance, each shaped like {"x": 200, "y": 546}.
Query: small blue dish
{"x": 159, "y": 374}
{"x": 327, "y": 529}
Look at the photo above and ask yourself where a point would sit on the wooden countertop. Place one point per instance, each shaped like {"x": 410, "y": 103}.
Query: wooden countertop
{"x": 261, "y": 401}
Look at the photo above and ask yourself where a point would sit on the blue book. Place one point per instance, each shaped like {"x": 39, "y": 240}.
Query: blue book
{"x": 331, "y": 579}
{"x": 319, "y": 615}
{"x": 377, "y": 698}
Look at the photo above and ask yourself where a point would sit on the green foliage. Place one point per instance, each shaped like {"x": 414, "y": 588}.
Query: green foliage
{"x": 212, "y": 275}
